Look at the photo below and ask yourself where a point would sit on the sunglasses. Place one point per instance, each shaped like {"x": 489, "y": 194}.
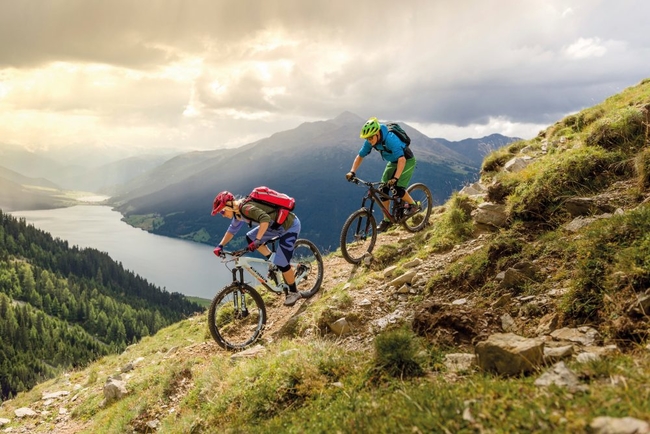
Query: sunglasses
{"x": 226, "y": 208}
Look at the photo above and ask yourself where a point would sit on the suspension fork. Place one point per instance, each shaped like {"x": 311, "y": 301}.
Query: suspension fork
{"x": 239, "y": 298}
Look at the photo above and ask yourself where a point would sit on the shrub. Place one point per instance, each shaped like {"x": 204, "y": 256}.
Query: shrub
{"x": 625, "y": 130}
{"x": 395, "y": 352}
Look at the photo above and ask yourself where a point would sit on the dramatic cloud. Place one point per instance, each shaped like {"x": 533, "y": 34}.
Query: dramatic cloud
{"x": 206, "y": 74}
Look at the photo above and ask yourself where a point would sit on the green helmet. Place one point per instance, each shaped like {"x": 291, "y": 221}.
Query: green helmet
{"x": 370, "y": 128}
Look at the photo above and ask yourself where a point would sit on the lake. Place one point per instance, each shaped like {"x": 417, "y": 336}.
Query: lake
{"x": 175, "y": 265}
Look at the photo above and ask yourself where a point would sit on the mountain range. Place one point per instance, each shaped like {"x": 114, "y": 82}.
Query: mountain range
{"x": 308, "y": 162}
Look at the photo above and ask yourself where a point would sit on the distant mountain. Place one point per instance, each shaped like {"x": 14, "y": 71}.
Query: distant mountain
{"x": 17, "y": 178}
{"x": 476, "y": 149}
{"x": 15, "y": 196}
{"x": 82, "y": 175}
{"x": 308, "y": 162}
{"x": 106, "y": 178}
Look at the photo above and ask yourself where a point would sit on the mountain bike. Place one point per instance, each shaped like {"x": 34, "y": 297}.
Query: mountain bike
{"x": 359, "y": 232}
{"x": 237, "y": 314}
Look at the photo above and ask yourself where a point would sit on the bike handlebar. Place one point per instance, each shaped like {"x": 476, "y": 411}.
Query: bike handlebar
{"x": 358, "y": 181}
{"x": 243, "y": 251}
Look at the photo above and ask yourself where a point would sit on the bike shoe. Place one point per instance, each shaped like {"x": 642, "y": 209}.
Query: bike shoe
{"x": 385, "y": 224}
{"x": 292, "y": 298}
{"x": 412, "y": 209}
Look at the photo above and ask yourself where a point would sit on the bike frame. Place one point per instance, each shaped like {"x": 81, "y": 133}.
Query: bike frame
{"x": 274, "y": 281}
{"x": 374, "y": 195}
{"x": 246, "y": 263}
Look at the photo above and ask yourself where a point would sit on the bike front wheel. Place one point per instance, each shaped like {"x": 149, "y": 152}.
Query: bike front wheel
{"x": 358, "y": 236}
{"x": 237, "y": 316}
{"x": 422, "y": 196}
{"x": 307, "y": 263}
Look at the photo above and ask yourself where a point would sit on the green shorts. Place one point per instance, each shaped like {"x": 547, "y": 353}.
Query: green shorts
{"x": 407, "y": 173}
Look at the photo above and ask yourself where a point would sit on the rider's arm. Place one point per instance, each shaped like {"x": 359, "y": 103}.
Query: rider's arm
{"x": 263, "y": 227}
{"x": 226, "y": 238}
{"x": 356, "y": 163}
{"x": 401, "y": 162}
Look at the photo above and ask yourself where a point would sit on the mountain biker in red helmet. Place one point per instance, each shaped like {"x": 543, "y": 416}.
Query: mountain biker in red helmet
{"x": 245, "y": 212}
{"x": 399, "y": 167}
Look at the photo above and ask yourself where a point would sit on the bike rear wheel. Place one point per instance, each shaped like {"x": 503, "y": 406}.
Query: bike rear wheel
{"x": 358, "y": 236}
{"x": 422, "y": 195}
{"x": 307, "y": 263}
{"x": 237, "y": 316}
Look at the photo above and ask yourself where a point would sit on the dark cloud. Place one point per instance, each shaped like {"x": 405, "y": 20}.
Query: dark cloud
{"x": 188, "y": 67}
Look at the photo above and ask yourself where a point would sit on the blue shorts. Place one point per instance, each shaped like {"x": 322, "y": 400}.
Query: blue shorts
{"x": 288, "y": 239}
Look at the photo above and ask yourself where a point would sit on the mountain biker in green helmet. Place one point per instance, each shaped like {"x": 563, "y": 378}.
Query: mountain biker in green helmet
{"x": 399, "y": 167}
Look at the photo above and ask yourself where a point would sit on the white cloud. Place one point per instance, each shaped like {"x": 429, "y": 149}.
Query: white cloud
{"x": 586, "y": 47}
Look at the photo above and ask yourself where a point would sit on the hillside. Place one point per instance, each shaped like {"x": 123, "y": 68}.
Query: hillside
{"x": 63, "y": 307}
{"x": 522, "y": 308}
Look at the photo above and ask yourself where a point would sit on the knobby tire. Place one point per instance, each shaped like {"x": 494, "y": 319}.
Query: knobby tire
{"x": 230, "y": 326}
{"x": 307, "y": 263}
{"x": 358, "y": 236}
{"x": 420, "y": 193}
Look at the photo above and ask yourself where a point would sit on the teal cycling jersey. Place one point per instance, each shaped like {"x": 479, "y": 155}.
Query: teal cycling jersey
{"x": 391, "y": 147}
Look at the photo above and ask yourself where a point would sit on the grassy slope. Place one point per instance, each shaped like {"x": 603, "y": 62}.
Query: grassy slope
{"x": 398, "y": 383}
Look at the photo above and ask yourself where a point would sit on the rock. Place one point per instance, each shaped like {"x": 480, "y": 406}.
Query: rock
{"x": 509, "y": 354}
{"x": 587, "y": 357}
{"x": 555, "y": 354}
{"x": 517, "y": 164}
{"x": 54, "y": 395}
{"x": 561, "y": 376}
{"x": 582, "y": 335}
{"x": 490, "y": 214}
{"x": 404, "y": 278}
{"x": 114, "y": 390}
{"x": 474, "y": 190}
{"x": 416, "y": 262}
{"x": 340, "y": 327}
{"x": 614, "y": 425}
{"x": 581, "y": 206}
{"x": 548, "y": 324}
{"x": 249, "y": 353}
{"x": 388, "y": 272}
{"x": 512, "y": 278}
{"x": 459, "y": 362}
{"x": 24, "y": 412}
{"x": 503, "y": 301}
{"x": 508, "y": 324}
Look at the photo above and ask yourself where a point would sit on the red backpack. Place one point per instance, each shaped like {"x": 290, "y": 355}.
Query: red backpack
{"x": 268, "y": 196}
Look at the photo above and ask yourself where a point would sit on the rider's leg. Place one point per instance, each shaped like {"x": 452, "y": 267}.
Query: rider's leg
{"x": 289, "y": 277}
{"x": 389, "y": 172}
{"x": 404, "y": 180}
{"x": 283, "y": 256}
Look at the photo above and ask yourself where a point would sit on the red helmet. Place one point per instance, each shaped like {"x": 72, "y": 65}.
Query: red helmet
{"x": 221, "y": 200}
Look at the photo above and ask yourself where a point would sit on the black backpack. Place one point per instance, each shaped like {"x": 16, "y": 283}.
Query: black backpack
{"x": 396, "y": 129}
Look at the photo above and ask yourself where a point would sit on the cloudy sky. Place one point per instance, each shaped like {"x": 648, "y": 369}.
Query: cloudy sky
{"x": 195, "y": 74}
